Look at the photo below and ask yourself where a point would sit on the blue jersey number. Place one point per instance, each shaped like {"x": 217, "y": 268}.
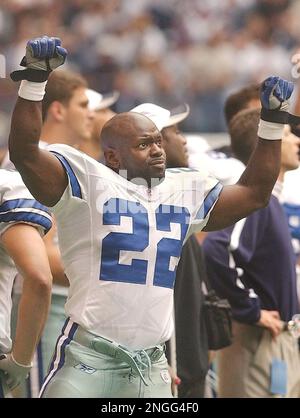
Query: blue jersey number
{"x": 113, "y": 270}
{"x": 115, "y": 242}
{"x": 167, "y": 247}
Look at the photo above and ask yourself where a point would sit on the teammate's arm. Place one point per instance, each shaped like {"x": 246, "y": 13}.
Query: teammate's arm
{"x": 25, "y": 245}
{"x": 254, "y": 188}
{"x": 54, "y": 257}
{"x": 42, "y": 173}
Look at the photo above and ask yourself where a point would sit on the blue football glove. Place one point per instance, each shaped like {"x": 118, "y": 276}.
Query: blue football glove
{"x": 42, "y": 56}
{"x": 274, "y": 96}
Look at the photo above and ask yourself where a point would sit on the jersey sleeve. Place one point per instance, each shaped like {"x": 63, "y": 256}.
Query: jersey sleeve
{"x": 208, "y": 193}
{"x": 19, "y": 206}
{"x": 74, "y": 164}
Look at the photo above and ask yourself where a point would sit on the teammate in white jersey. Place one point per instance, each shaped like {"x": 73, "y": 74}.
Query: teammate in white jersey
{"x": 121, "y": 228}
{"x": 22, "y": 222}
{"x": 67, "y": 119}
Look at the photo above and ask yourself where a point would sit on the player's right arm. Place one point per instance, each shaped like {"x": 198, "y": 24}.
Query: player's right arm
{"x": 41, "y": 171}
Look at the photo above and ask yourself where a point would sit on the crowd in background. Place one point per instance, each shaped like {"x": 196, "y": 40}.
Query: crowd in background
{"x": 158, "y": 51}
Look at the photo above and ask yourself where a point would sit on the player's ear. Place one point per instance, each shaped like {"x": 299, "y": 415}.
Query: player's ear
{"x": 112, "y": 158}
{"x": 57, "y": 111}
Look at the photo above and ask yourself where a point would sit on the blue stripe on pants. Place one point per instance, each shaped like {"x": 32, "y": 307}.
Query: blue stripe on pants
{"x": 59, "y": 352}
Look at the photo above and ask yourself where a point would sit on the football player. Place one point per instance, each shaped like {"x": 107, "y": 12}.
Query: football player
{"x": 121, "y": 228}
{"x": 22, "y": 222}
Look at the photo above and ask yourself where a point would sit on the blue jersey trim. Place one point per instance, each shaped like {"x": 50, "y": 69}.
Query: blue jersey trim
{"x": 22, "y": 203}
{"x": 75, "y": 186}
{"x": 30, "y": 217}
{"x": 209, "y": 201}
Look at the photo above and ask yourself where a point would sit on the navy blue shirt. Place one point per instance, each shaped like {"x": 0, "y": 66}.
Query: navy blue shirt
{"x": 252, "y": 264}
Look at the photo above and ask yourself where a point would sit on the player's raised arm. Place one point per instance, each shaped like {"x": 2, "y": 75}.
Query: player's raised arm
{"x": 254, "y": 188}
{"x": 41, "y": 171}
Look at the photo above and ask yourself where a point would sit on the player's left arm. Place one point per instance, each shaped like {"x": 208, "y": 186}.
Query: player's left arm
{"x": 254, "y": 188}
{"x": 252, "y": 191}
{"x": 25, "y": 246}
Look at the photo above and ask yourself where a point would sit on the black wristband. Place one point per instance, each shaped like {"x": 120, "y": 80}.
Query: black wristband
{"x": 38, "y": 76}
{"x": 275, "y": 116}
{"x": 294, "y": 120}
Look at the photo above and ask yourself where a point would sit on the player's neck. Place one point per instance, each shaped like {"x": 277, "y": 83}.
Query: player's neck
{"x": 282, "y": 174}
{"x": 91, "y": 149}
{"x": 53, "y": 134}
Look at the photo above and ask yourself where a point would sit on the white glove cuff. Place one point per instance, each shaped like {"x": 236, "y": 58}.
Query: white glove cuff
{"x": 32, "y": 91}
{"x": 270, "y": 130}
{"x": 27, "y": 366}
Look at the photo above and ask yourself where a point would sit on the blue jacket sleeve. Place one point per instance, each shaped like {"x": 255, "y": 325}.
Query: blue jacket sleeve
{"x": 230, "y": 256}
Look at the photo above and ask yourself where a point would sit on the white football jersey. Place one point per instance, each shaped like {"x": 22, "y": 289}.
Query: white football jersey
{"x": 56, "y": 288}
{"x": 121, "y": 242}
{"x": 16, "y": 206}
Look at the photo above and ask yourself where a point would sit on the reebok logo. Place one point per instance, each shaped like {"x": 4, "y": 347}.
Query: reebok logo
{"x": 84, "y": 368}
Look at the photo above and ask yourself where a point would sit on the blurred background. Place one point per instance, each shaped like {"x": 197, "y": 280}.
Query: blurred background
{"x": 162, "y": 51}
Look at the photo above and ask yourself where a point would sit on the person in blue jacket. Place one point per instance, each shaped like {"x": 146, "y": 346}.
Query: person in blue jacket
{"x": 252, "y": 264}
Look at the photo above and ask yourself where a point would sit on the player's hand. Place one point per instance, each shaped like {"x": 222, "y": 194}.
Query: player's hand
{"x": 175, "y": 380}
{"x": 42, "y": 56}
{"x": 14, "y": 373}
{"x": 274, "y": 95}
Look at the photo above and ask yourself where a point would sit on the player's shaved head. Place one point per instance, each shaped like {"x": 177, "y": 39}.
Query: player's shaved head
{"x": 122, "y": 127}
{"x": 132, "y": 143}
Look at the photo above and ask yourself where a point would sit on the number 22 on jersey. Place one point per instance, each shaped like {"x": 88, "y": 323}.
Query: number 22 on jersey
{"x": 138, "y": 240}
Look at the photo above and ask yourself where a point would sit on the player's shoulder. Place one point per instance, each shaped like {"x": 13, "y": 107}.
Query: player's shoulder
{"x": 10, "y": 179}
{"x": 73, "y": 156}
{"x": 182, "y": 172}
{"x": 188, "y": 179}
{"x": 81, "y": 163}
{"x": 12, "y": 186}
{"x": 186, "y": 174}
{"x": 65, "y": 150}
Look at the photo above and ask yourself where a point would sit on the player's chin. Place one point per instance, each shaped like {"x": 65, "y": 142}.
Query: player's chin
{"x": 157, "y": 171}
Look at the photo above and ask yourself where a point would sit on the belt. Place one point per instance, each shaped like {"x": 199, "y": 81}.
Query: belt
{"x": 139, "y": 360}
